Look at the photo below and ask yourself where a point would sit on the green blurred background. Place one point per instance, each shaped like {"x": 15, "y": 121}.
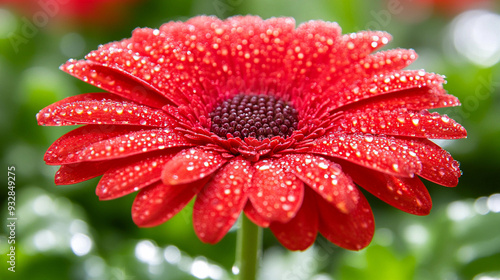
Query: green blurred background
{"x": 64, "y": 232}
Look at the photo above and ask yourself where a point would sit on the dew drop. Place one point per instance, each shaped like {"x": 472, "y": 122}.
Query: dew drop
{"x": 286, "y": 207}
{"x": 264, "y": 167}
{"x": 323, "y": 165}
{"x": 395, "y": 167}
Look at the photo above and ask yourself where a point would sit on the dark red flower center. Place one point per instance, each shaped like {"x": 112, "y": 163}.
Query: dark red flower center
{"x": 251, "y": 115}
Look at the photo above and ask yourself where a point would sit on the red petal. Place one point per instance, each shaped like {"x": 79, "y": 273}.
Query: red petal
{"x": 102, "y": 108}
{"x": 275, "y": 194}
{"x": 87, "y": 97}
{"x": 319, "y": 57}
{"x": 158, "y": 203}
{"x": 385, "y": 154}
{"x": 191, "y": 165}
{"x": 255, "y": 217}
{"x": 371, "y": 65}
{"x": 407, "y": 194}
{"x": 124, "y": 145}
{"x": 67, "y": 147}
{"x": 300, "y": 232}
{"x": 262, "y": 49}
{"x": 82, "y": 171}
{"x": 220, "y": 203}
{"x": 144, "y": 56}
{"x": 401, "y": 123}
{"x": 130, "y": 177}
{"x": 351, "y": 49}
{"x": 411, "y": 99}
{"x": 352, "y": 231}
{"x": 386, "y": 61}
{"x": 199, "y": 53}
{"x": 117, "y": 81}
{"x": 315, "y": 46}
{"x": 360, "y": 44}
{"x": 384, "y": 84}
{"x": 326, "y": 178}
{"x": 437, "y": 164}
{"x": 193, "y": 52}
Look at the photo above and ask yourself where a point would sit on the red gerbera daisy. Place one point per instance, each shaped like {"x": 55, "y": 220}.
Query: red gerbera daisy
{"x": 260, "y": 116}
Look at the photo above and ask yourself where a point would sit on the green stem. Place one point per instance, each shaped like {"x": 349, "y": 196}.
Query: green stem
{"x": 248, "y": 250}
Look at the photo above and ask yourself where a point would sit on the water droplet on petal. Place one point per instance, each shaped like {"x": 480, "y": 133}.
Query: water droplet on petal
{"x": 395, "y": 166}
{"x": 323, "y": 165}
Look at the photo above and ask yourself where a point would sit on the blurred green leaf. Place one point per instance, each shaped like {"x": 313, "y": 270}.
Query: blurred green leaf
{"x": 377, "y": 262}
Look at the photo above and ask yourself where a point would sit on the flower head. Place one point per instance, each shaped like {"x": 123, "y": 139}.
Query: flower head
{"x": 258, "y": 116}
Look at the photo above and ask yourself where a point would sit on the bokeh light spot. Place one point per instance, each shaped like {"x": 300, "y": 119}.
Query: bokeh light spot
{"x": 476, "y": 37}
{"x": 215, "y": 272}
{"x": 81, "y": 244}
{"x": 484, "y": 276}
{"x": 459, "y": 210}
{"x": 147, "y": 252}
{"x": 200, "y": 268}
{"x": 78, "y": 226}
{"x": 172, "y": 254}
{"x": 481, "y": 205}
{"x": 494, "y": 203}
{"x": 416, "y": 234}
{"x": 235, "y": 270}
{"x": 42, "y": 205}
{"x": 8, "y": 23}
{"x": 94, "y": 267}
{"x": 44, "y": 240}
